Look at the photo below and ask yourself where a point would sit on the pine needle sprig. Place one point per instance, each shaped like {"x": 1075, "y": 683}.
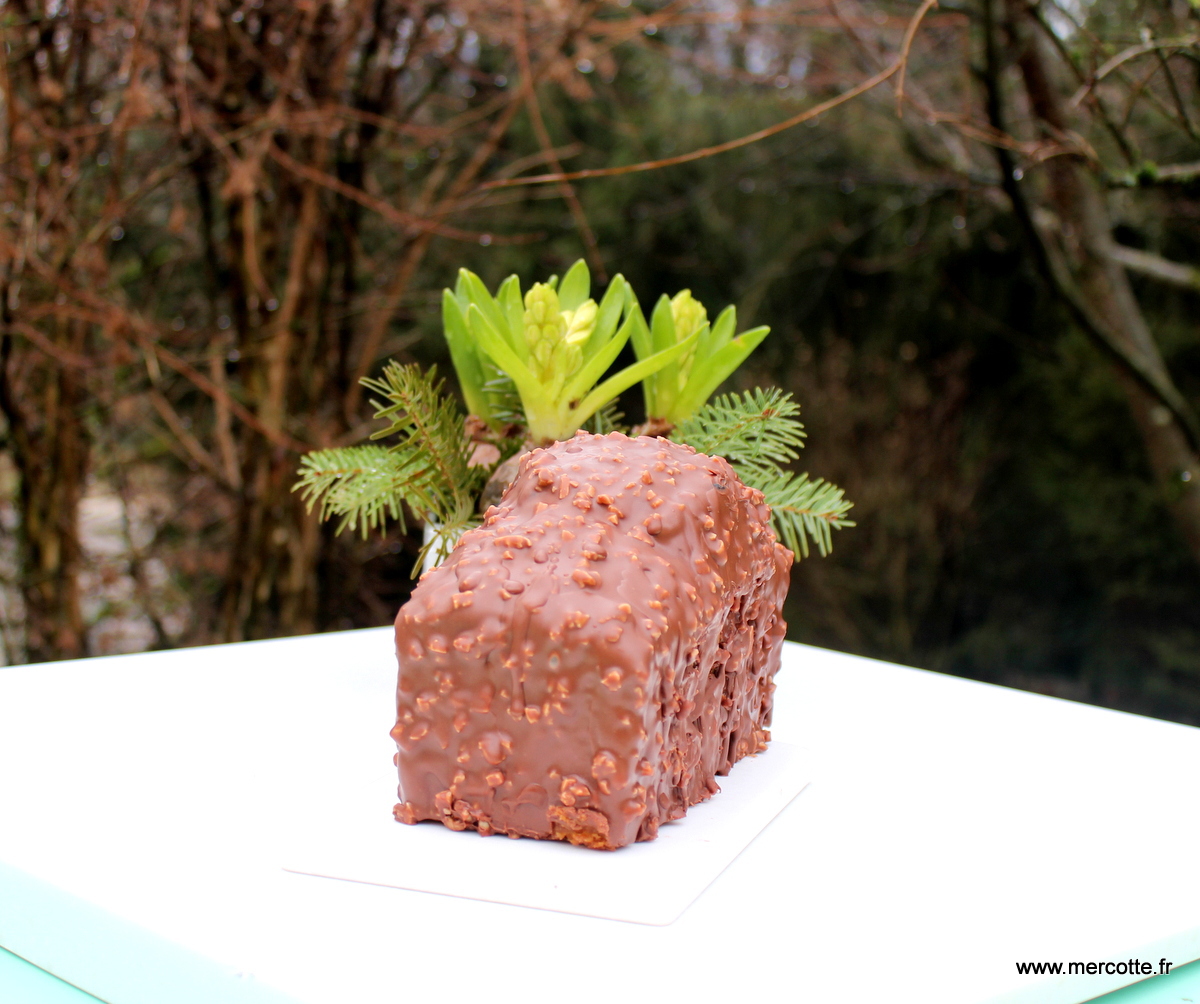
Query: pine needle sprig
{"x": 758, "y": 433}
{"x": 607, "y": 419}
{"x": 803, "y": 510}
{"x": 362, "y": 484}
{"x": 427, "y": 468}
{"x": 504, "y": 401}
{"x": 433, "y": 436}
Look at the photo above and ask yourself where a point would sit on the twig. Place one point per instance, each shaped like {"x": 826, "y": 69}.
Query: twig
{"x": 734, "y": 144}
{"x": 909, "y": 34}
{"x": 148, "y": 338}
{"x": 258, "y": 281}
{"x": 1098, "y": 106}
{"x": 222, "y": 426}
{"x": 279, "y": 339}
{"x": 64, "y": 356}
{"x": 412, "y": 223}
{"x": 199, "y": 455}
{"x": 1178, "y": 173}
{"x": 1157, "y": 267}
{"x": 1124, "y": 57}
{"x": 451, "y": 203}
{"x": 1149, "y": 371}
{"x": 565, "y": 188}
{"x": 181, "y": 58}
{"x": 322, "y": 113}
{"x": 137, "y": 562}
{"x": 156, "y": 177}
{"x": 1176, "y": 97}
{"x": 540, "y": 157}
{"x": 202, "y": 383}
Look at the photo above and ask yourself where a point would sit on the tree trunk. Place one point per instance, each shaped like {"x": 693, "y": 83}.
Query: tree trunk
{"x": 271, "y": 588}
{"x": 50, "y": 451}
{"x": 1098, "y": 290}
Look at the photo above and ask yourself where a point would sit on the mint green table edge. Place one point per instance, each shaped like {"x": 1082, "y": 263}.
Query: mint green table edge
{"x": 69, "y": 944}
{"x": 22, "y": 982}
{"x": 1180, "y": 986}
{"x": 115, "y": 959}
{"x": 1182, "y": 949}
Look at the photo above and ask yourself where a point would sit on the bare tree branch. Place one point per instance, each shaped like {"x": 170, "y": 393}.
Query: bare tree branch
{"x": 1157, "y": 267}
{"x": 1153, "y": 174}
{"x": 896, "y": 66}
{"x": 1152, "y": 45}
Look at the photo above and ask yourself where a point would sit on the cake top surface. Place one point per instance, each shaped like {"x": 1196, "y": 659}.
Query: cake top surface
{"x": 597, "y": 529}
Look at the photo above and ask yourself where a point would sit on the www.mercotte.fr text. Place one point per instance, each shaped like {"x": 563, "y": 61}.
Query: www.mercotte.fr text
{"x": 1130, "y": 967}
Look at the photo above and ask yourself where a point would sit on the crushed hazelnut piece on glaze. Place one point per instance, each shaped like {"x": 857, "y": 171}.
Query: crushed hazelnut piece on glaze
{"x": 513, "y": 540}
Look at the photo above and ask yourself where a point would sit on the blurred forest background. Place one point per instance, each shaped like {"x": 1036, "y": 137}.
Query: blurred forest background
{"x": 217, "y": 215}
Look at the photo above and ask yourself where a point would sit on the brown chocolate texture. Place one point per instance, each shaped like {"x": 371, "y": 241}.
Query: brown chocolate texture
{"x": 587, "y": 661}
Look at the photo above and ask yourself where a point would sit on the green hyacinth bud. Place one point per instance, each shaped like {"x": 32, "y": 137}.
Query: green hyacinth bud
{"x": 580, "y": 322}
{"x": 545, "y": 327}
{"x": 689, "y": 315}
{"x": 564, "y": 363}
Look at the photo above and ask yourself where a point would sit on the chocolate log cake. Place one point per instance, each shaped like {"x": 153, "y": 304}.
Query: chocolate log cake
{"x": 587, "y": 661}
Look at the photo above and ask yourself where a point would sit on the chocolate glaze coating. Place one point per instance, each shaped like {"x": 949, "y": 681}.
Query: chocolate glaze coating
{"x": 586, "y": 663}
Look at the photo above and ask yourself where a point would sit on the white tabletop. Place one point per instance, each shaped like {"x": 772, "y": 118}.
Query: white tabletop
{"x": 951, "y": 829}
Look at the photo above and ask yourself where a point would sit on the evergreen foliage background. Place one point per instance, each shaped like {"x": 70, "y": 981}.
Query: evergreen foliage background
{"x": 1008, "y": 525}
{"x": 1008, "y": 528}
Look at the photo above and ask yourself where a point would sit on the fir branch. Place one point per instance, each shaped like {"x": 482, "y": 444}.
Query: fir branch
{"x": 504, "y": 401}
{"x": 607, "y": 419}
{"x": 803, "y": 510}
{"x": 433, "y": 441}
{"x": 362, "y": 484}
{"x": 758, "y": 431}
{"x": 427, "y": 469}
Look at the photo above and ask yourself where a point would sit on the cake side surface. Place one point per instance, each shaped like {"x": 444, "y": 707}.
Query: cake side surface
{"x": 588, "y": 661}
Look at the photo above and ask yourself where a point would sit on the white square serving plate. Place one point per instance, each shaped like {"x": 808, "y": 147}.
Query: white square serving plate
{"x": 351, "y": 835}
